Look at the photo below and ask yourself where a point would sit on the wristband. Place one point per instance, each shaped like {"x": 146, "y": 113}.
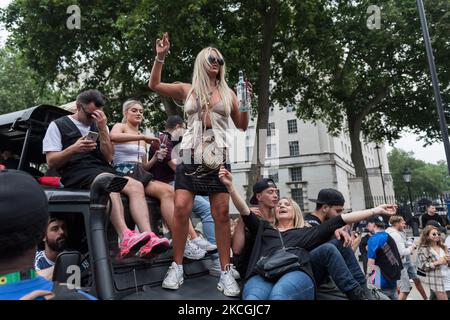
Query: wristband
{"x": 159, "y": 60}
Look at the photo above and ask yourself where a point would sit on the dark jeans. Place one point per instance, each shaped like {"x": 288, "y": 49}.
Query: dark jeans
{"x": 351, "y": 261}
{"x": 333, "y": 259}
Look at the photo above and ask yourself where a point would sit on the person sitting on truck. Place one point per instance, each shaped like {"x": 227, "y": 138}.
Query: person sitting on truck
{"x": 131, "y": 150}
{"x": 22, "y": 224}
{"x": 80, "y": 148}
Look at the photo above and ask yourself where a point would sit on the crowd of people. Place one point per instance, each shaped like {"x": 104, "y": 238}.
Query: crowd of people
{"x": 176, "y": 169}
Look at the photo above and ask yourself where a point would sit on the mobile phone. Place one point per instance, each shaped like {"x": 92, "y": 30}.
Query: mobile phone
{"x": 92, "y": 135}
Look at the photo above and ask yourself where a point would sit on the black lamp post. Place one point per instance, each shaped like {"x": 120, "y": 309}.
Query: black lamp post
{"x": 381, "y": 171}
{"x": 407, "y": 178}
{"x": 434, "y": 78}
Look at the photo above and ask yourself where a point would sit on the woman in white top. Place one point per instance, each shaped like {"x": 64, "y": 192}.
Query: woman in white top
{"x": 130, "y": 148}
{"x": 209, "y": 104}
{"x": 433, "y": 258}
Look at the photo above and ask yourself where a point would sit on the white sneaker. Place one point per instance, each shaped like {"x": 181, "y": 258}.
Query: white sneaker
{"x": 216, "y": 271}
{"x": 228, "y": 285}
{"x": 204, "y": 244}
{"x": 174, "y": 277}
{"x": 193, "y": 252}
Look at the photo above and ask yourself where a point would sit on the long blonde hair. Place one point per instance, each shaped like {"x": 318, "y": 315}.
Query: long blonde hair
{"x": 298, "y": 222}
{"x": 200, "y": 80}
{"x": 426, "y": 242}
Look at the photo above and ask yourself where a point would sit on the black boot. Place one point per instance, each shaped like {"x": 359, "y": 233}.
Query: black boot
{"x": 368, "y": 293}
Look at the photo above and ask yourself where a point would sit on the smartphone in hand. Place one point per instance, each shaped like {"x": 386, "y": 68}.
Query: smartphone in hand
{"x": 92, "y": 135}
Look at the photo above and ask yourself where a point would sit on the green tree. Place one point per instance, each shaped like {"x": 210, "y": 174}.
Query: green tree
{"x": 373, "y": 83}
{"x": 427, "y": 179}
{"x": 114, "y": 48}
{"x": 20, "y": 86}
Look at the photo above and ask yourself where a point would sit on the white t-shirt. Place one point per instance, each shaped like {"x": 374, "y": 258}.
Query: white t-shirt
{"x": 52, "y": 139}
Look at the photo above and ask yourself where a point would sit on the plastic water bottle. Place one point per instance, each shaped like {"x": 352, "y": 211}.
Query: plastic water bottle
{"x": 241, "y": 93}
{"x": 159, "y": 157}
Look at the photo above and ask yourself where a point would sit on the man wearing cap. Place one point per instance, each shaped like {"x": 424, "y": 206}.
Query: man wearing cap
{"x": 330, "y": 203}
{"x": 22, "y": 225}
{"x": 80, "y": 148}
{"x": 265, "y": 197}
{"x": 382, "y": 251}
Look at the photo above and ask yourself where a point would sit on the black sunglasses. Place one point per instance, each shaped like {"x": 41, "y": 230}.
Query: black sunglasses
{"x": 435, "y": 234}
{"x": 212, "y": 60}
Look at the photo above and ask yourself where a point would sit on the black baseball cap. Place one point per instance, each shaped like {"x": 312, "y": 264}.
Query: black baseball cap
{"x": 330, "y": 197}
{"x": 23, "y": 213}
{"x": 379, "y": 221}
{"x": 260, "y": 186}
{"x": 22, "y": 200}
{"x": 437, "y": 225}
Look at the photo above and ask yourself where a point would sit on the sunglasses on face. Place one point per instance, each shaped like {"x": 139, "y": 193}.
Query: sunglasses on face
{"x": 435, "y": 234}
{"x": 213, "y": 60}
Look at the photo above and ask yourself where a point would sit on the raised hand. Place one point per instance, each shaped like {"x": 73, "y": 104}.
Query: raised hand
{"x": 100, "y": 118}
{"x": 386, "y": 209}
{"x": 162, "y": 46}
{"x": 225, "y": 177}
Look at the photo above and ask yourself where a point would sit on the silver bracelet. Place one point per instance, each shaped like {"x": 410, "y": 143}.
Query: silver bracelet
{"x": 159, "y": 60}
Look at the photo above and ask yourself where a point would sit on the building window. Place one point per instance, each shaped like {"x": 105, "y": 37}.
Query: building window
{"x": 296, "y": 174}
{"x": 294, "y": 150}
{"x": 248, "y": 154}
{"x": 271, "y": 151}
{"x": 271, "y": 129}
{"x": 292, "y": 126}
{"x": 273, "y": 174}
{"x": 297, "y": 196}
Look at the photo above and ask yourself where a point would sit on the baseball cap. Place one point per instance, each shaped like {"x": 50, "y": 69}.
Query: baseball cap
{"x": 436, "y": 224}
{"x": 378, "y": 220}
{"x": 260, "y": 186}
{"x": 22, "y": 201}
{"x": 329, "y": 197}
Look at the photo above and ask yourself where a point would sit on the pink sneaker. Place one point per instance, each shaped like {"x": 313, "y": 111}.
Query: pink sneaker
{"x": 154, "y": 246}
{"x": 131, "y": 243}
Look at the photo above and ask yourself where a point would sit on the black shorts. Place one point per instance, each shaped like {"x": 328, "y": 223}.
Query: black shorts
{"x": 202, "y": 186}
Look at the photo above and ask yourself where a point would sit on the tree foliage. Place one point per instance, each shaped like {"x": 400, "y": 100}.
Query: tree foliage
{"x": 426, "y": 179}
{"x": 20, "y": 86}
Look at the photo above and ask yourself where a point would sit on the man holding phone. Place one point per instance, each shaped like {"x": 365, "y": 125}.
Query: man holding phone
{"x": 80, "y": 148}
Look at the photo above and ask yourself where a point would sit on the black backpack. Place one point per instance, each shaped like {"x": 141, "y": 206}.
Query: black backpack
{"x": 389, "y": 260}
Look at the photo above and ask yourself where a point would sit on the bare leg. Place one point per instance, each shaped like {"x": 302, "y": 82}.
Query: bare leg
{"x": 420, "y": 288}
{"x": 165, "y": 193}
{"x": 138, "y": 205}
{"x": 441, "y": 295}
{"x": 403, "y": 295}
{"x": 192, "y": 232}
{"x": 117, "y": 214}
{"x": 220, "y": 213}
{"x": 184, "y": 201}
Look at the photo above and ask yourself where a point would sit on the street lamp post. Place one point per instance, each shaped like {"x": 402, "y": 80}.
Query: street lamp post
{"x": 434, "y": 78}
{"x": 407, "y": 178}
{"x": 381, "y": 171}
{"x": 414, "y": 221}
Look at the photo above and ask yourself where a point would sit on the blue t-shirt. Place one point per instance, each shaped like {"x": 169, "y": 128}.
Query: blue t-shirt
{"x": 17, "y": 290}
{"x": 377, "y": 241}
